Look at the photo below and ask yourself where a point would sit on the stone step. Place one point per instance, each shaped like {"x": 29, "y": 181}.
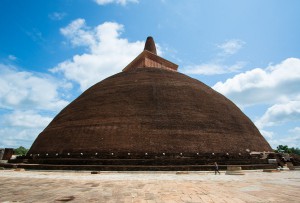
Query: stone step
{"x": 131, "y": 167}
{"x": 297, "y": 168}
{"x": 158, "y": 161}
{"x": 271, "y": 170}
{"x": 234, "y": 170}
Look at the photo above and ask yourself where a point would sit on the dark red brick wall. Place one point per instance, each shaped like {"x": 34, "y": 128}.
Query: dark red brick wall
{"x": 150, "y": 110}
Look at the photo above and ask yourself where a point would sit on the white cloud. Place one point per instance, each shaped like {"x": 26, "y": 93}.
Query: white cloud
{"x": 21, "y": 127}
{"x": 27, "y": 100}
{"x": 12, "y": 57}
{"x": 296, "y": 130}
{"x": 276, "y": 86}
{"x": 106, "y": 55}
{"x": 277, "y": 83}
{"x": 15, "y": 137}
{"x": 267, "y": 134}
{"x": 79, "y": 34}
{"x": 122, "y": 2}
{"x": 36, "y": 35}
{"x": 27, "y": 119}
{"x": 25, "y": 90}
{"x": 212, "y": 69}
{"x": 217, "y": 66}
{"x": 231, "y": 47}
{"x": 279, "y": 114}
{"x": 57, "y": 15}
{"x": 291, "y": 139}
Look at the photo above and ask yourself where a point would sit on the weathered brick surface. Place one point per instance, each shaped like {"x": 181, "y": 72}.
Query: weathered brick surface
{"x": 149, "y": 110}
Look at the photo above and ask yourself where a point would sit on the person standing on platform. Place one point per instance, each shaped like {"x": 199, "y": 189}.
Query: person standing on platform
{"x": 216, "y": 168}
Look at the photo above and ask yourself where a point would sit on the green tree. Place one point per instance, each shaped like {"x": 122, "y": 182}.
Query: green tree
{"x": 286, "y": 149}
{"x": 295, "y": 150}
{"x": 21, "y": 150}
{"x": 282, "y": 148}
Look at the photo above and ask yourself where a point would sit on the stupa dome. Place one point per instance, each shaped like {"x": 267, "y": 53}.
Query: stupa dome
{"x": 150, "y": 108}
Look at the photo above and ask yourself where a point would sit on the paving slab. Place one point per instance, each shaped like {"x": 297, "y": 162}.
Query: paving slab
{"x": 78, "y": 186}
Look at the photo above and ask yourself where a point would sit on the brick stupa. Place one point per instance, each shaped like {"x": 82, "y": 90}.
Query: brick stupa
{"x": 148, "y": 117}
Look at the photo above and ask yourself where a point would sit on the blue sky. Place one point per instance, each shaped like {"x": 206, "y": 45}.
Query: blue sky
{"x": 53, "y": 50}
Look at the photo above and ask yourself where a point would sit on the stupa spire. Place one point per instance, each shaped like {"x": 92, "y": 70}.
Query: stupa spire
{"x": 149, "y": 59}
{"x": 150, "y": 45}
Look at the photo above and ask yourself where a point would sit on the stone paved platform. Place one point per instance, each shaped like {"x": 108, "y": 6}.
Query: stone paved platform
{"x": 150, "y": 187}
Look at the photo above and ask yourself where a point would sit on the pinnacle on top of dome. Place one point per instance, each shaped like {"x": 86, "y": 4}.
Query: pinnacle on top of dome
{"x": 150, "y": 45}
{"x": 149, "y": 59}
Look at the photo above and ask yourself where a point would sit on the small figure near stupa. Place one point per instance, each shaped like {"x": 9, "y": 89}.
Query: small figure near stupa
{"x": 216, "y": 168}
